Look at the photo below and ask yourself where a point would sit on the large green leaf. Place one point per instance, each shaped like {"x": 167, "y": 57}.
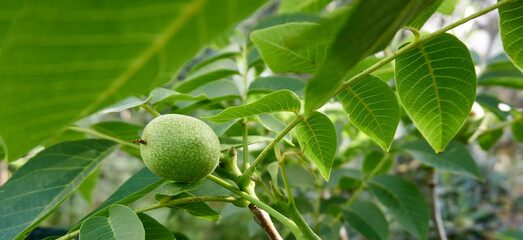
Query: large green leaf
{"x": 447, "y": 6}
{"x": 436, "y": 83}
{"x": 281, "y": 58}
{"x": 154, "y": 230}
{"x": 373, "y": 108}
{"x": 283, "y": 100}
{"x": 276, "y": 83}
{"x": 404, "y": 201}
{"x": 510, "y": 234}
{"x": 369, "y": 28}
{"x": 500, "y": 71}
{"x": 211, "y": 72}
{"x": 317, "y": 136}
{"x": 456, "y": 158}
{"x": 45, "y": 181}
{"x": 122, "y": 223}
{"x": 368, "y": 219}
{"x": 510, "y": 22}
{"x": 72, "y": 58}
{"x": 137, "y": 186}
{"x": 310, "y": 6}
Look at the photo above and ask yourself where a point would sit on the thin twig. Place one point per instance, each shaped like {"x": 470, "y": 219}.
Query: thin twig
{"x": 434, "y": 204}
{"x": 263, "y": 219}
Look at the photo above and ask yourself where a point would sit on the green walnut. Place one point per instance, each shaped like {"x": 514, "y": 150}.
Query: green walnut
{"x": 179, "y": 148}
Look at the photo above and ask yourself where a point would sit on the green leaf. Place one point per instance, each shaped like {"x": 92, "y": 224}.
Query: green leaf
{"x": 282, "y": 19}
{"x": 214, "y": 71}
{"x": 74, "y": 58}
{"x": 404, "y": 201}
{"x": 500, "y": 71}
{"x": 237, "y": 141}
{"x": 447, "y": 7}
{"x": 124, "y": 104}
{"x": 368, "y": 219}
{"x": 137, "y": 186}
{"x": 510, "y": 22}
{"x": 436, "y": 83}
{"x": 308, "y": 6}
{"x": 45, "y": 181}
{"x": 215, "y": 91}
{"x": 428, "y": 10}
{"x": 121, "y": 130}
{"x": 517, "y": 127}
{"x": 274, "y": 125}
{"x": 373, "y": 159}
{"x": 218, "y": 128}
{"x": 510, "y": 234}
{"x": 122, "y": 223}
{"x": 276, "y": 83}
{"x": 226, "y": 53}
{"x": 369, "y": 28}
{"x": 281, "y": 58}
{"x": 317, "y": 137}
{"x": 165, "y": 95}
{"x": 197, "y": 209}
{"x": 280, "y": 101}
{"x": 168, "y": 190}
{"x": 373, "y": 108}
{"x": 456, "y": 158}
{"x": 87, "y": 187}
{"x": 273, "y": 169}
{"x": 153, "y": 229}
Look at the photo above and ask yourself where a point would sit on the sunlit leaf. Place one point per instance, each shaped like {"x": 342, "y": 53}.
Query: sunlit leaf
{"x": 309, "y": 6}
{"x": 317, "y": 137}
{"x": 436, "y": 83}
{"x": 447, "y": 6}
{"x": 369, "y": 28}
{"x": 276, "y": 83}
{"x": 283, "y": 100}
{"x": 165, "y": 95}
{"x": 404, "y": 201}
{"x": 281, "y": 58}
{"x": 126, "y": 103}
{"x": 510, "y": 22}
{"x": 73, "y": 58}
{"x": 373, "y": 108}
{"x": 214, "y": 71}
{"x": 45, "y": 181}
{"x": 122, "y": 223}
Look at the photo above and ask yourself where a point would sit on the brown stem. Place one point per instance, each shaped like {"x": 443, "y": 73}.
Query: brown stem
{"x": 434, "y": 204}
{"x": 263, "y": 219}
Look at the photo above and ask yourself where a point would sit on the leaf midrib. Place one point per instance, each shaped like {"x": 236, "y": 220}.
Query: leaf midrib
{"x": 438, "y": 100}
{"x": 190, "y": 10}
